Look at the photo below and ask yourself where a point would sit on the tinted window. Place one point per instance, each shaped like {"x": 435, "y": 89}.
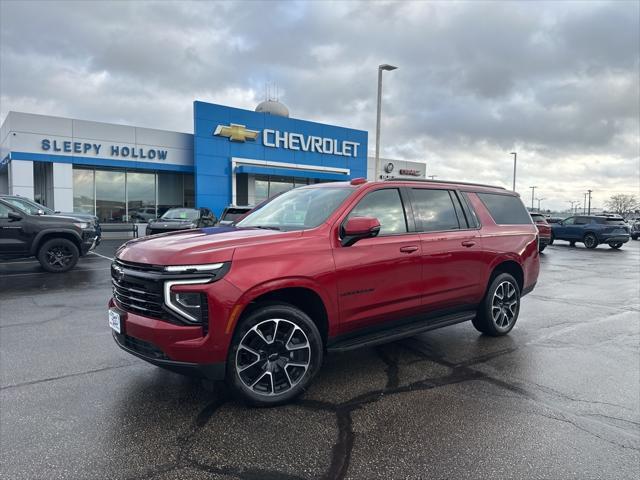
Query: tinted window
{"x": 434, "y": 210}
{"x": 386, "y": 206}
{"x": 569, "y": 221}
{"x": 470, "y": 213}
{"x": 4, "y": 211}
{"x": 582, "y": 221}
{"x": 538, "y": 218}
{"x": 505, "y": 209}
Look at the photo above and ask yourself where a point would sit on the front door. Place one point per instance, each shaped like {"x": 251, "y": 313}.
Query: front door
{"x": 13, "y": 238}
{"x": 378, "y": 279}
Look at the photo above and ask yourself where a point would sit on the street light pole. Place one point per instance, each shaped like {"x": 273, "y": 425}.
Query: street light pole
{"x": 539, "y": 200}
{"x": 515, "y": 158}
{"x": 379, "y": 113}
{"x": 589, "y": 211}
{"x": 533, "y": 190}
{"x": 432, "y": 177}
{"x": 584, "y": 204}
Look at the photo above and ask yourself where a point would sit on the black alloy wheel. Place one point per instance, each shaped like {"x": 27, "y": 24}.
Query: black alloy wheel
{"x": 499, "y": 310}
{"x": 58, "y": 255}
{"x": 590, "y": 240}
{"x": 276, "y": 351}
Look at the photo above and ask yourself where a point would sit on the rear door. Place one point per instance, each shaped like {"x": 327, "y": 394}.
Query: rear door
{"x": 380, "y": 278}
{"x": 452, "y": 257}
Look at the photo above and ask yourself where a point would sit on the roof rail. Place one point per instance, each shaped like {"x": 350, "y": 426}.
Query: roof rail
{"x": 425, "y": 180}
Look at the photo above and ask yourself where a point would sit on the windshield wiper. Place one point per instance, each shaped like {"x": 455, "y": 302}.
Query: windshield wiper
{"x": 266, "y": 227}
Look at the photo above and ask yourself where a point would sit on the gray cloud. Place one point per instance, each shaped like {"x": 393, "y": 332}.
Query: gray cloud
{"x": 558, "y": 81}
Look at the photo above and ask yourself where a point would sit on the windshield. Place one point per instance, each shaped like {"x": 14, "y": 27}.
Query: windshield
{"x": 27, "y": 206}
{"x": 181, "y": 214}
{"x": 538, "y": 218}
{"x": 297, "y": 209}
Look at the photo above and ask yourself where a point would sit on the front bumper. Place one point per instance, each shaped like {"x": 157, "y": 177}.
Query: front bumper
{"x": 615, "y": 239}
{"x": 152, "y": 354}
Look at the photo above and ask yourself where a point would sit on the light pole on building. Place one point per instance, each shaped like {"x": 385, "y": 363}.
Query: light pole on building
{"x": 515, "y": 159}
{"x": 388, "y": 68}
{"x": 533, "y": 191}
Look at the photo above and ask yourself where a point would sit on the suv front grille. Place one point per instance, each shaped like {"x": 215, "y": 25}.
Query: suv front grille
{"x": 139, "y": 297}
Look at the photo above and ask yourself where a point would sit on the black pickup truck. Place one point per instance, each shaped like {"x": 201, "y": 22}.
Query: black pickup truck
{"x": 57, "y": 241}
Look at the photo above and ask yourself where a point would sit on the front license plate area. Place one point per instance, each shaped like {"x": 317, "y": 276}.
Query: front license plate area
{"x": 114, "y": 321}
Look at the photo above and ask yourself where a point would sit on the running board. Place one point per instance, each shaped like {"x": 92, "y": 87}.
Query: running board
{"x": 398, "y": 332}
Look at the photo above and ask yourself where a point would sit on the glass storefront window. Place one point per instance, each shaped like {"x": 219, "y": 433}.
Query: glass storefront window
{"x": 170, "y": 191}
{"x": 141, "y": 196}
{"x": 189, "y": 191}
{"x": 261, "y": 188}
{"x": 83, "y": 193}
{"x": 110, "y": 196}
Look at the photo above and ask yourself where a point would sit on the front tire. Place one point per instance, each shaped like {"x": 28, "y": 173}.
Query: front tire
{"x": 590, "y": 240}
{"x": 499, "y": 310}
{"x": 541, "y": 248}
{"x": 275, "y": 353}
{"x": 58, "y": 255}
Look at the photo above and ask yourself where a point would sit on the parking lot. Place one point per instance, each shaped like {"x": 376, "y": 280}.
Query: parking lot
{"x": 557, "y": 398}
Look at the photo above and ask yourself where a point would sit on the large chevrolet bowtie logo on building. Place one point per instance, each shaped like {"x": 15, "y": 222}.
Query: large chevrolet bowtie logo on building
{"x": 236, "y": 132}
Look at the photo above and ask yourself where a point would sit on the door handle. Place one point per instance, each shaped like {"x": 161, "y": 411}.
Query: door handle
{"x": 409, "y": 249}
{"x": 468, "y": 243}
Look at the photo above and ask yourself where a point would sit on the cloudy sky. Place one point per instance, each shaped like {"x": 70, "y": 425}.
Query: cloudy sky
{"x": 558, "y": 82}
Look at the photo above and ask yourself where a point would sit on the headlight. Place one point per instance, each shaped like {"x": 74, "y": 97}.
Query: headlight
{"x": 208, "y": 267}
{"x": 82, "y": 225}
{"x": 190, "y": 305}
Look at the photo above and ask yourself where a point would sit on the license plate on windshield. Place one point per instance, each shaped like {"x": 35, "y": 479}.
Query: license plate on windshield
{"x": 114, "y": 320}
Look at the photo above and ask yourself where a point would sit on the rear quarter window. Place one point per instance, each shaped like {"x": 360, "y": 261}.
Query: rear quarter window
{"x": 505, "y": 209}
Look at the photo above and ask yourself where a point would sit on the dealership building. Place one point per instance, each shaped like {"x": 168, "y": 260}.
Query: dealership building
{"x": 233, "y": 157}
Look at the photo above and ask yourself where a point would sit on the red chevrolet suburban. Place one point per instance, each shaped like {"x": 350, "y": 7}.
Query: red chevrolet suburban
{"x": 319, "y": 269}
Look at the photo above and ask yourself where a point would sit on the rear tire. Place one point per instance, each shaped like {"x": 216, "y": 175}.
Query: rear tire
{"x": 499, "y": 310}
{"x": 615, "y": 246}
{"x": 590, "y": 240}
{"x": 541, "y": 248}
{"x": 551, "y": 239}
{"x": 275, "y": 353}
{"x": 58, "y": 255}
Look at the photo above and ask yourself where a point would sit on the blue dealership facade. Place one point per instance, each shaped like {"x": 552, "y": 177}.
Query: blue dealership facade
{"x": 125, "y": 173}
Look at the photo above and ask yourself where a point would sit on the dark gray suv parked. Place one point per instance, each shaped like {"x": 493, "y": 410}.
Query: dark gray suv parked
{"x": 55, "y": 240}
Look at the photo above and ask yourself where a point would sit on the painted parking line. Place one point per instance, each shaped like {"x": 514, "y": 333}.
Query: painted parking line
{"x": 103, "y": 256}
{"x": 9, "y": 274}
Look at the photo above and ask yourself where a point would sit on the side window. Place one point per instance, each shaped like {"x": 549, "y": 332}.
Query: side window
{"x": 434, "y": 210}
{"x": 472, "y": 218}
{"x": 569, "y": 221}
{"x": 582, "y": 221}
{"x": 505, "y": 209}
{"x": 4, "y": 211}
{"x": 386, "y": 206}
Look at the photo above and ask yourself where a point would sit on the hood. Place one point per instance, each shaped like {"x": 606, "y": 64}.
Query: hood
{"x": 204, "y": 245}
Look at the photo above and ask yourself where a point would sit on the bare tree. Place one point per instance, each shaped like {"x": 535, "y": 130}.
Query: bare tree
{"x": 622, "y": 204}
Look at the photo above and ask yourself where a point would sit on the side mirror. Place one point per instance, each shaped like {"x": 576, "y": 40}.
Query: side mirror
{"x": 14, "y": 216}
{"x": 40, "y": 212}
{"x": 358, "y": 228}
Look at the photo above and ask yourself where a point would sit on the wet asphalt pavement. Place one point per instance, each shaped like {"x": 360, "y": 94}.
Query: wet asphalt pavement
{"x": 558, "y": 398}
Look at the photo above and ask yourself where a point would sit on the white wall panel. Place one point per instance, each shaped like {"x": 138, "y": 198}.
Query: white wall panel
{"x": 63, "y": 187}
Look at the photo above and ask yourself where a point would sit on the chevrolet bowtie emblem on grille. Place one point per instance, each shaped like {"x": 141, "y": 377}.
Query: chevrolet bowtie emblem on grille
{"x": 236, "y": 133}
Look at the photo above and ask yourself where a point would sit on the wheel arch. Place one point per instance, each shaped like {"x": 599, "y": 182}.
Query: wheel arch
{"x": 46, "y": 235}
{"x": 301, "y": 294}
{"x": 511, "y": 267}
